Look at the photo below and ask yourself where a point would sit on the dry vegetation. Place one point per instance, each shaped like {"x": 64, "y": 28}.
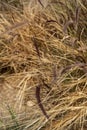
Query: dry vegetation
{"x": 43, "y": 65}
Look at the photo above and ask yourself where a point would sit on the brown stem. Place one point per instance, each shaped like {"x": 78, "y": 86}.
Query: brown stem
{"x": 39, "y": 101}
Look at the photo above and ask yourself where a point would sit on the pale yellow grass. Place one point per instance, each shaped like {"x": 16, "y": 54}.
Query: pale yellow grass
{"x": 37, "y": 46}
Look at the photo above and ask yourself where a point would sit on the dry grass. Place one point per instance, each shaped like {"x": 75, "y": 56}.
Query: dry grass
{"x": 43, "y": 58}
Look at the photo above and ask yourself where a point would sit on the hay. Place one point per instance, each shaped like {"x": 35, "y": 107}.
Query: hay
{"x": 45, "y": 47}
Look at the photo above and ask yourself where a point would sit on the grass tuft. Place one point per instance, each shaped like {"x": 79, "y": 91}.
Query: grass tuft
{"x": 43, "y": 65}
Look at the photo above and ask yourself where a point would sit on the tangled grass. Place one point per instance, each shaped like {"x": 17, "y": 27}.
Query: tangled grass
{"x": 43, "y": 65}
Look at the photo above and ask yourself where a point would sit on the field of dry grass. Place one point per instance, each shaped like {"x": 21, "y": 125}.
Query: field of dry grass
{"x": 43, "y": 65}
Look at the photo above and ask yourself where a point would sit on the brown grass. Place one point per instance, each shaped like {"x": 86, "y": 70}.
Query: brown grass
{"x": 45, "y": 47}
